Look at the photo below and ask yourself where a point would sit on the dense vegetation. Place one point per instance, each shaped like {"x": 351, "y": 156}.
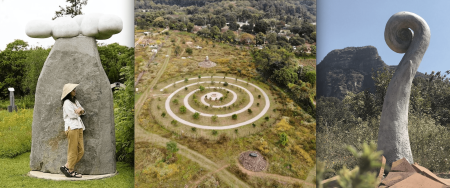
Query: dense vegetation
{"x": 356, "y": 119}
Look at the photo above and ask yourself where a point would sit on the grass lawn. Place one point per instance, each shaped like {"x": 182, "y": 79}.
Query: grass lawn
{"x": 14, "y": 174}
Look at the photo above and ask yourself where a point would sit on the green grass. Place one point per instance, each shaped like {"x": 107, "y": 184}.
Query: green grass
{"x": 14, "y": 174}
{"x": 15, "y": 132}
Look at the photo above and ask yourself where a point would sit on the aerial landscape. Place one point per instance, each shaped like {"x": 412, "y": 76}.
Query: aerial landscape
{"x": 225, "y": 93}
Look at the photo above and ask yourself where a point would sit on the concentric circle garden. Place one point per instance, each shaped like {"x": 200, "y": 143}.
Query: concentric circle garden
{"x": 213, "y": 104}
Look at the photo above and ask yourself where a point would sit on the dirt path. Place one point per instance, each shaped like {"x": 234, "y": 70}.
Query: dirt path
{"x": 143, "y": 136}
{"x": 202, "y": 178}
{"x": 137, "y": 42}
{"x": 311, "y": 175}
{"x": 144, "y": 96}
{"x": 273, "y": 176}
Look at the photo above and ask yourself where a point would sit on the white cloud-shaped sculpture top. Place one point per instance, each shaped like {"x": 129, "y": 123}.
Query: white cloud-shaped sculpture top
{"x": 97, "y": 25}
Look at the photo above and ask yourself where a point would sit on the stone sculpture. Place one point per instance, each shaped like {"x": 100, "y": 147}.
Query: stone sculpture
{"x": 74, "y": 58}
{"x": 393, "y": 138}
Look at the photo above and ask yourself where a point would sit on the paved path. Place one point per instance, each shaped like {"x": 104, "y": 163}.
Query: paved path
{"x": 143, "y": 136}
{"x": 188, "y": 106}
{"x": 260, "y": 115}
{"x": 61, "y": 177}
{"x": 202, "y": 98}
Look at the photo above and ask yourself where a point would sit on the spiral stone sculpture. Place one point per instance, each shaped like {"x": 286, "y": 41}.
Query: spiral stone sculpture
{"x": 406, "y": 33}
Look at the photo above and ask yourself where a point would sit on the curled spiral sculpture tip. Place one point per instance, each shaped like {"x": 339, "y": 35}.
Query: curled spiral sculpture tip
{"x": 402, "y": 27}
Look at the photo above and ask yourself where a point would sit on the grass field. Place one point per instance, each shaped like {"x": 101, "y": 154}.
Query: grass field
{"x": 15, "y": 132}
{"x": 14, "y": 171}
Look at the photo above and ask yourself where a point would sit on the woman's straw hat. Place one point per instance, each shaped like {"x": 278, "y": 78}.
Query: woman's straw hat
{"x": 67, "y": 89}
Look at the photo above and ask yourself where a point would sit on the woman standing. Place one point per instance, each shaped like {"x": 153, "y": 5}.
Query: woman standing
{"x": 74, "y": 128}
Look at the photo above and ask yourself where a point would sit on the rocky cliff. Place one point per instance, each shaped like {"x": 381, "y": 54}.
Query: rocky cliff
{"x": 347, "y": 69}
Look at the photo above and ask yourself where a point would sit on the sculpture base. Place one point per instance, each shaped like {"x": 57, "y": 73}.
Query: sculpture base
{"x": 61, "y": 177}
{"x": 11, "y": 108}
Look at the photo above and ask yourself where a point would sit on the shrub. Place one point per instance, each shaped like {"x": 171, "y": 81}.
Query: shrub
{"x": 310, "y": 77}
{"x": 234, "y": 116}
{"x": 249, "y": 111}
{"x": 201, "y": 88}
{"x": 185, "y": 88}
{"x": 257, "y": 104}
{"x": 193, "y": 129}
{"x": 254, "y": 125}
{"x": 163, "y": 114}
{"x": 267, "y": 118}
{"x": 175, "y": 101}
{"x": 259, "y": 96}
{"x": 189, "y": 51}
{"x": 174, "y": 122}
{"x": 186, "y": 80}
{"x": 183, "y": 109}
{"x": 196, "y": 115}
{"x": 214, "y": 132}
{"x": 236, "y": 131}
{"x": 225, "y": 84}
{"x": 214, "y": 118}
{"x": 283, "y": 139}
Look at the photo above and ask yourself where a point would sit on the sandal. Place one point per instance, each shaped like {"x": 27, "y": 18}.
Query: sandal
{"x": 74, "y": 174}
{"x": 65, "y": 171}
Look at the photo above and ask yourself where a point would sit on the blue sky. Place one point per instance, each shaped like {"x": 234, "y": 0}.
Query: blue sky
{"x": 352, "y": 23}
{"x": 15, "y": 14}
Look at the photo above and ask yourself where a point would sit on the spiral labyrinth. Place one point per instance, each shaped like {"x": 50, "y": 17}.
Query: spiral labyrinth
{"x": 212, "y": 96}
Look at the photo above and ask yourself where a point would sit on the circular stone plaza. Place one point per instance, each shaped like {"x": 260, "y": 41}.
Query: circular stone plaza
{"x": 212, "y": 103}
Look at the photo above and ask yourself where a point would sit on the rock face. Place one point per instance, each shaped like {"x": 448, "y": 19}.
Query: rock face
{"x": 348, "y": 69}
{"x": 73, "y": 60}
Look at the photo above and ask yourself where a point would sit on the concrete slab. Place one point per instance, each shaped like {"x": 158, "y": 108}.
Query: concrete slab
{"x": 61, "y": 177}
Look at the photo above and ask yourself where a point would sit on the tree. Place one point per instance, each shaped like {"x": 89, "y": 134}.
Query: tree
{"x": 196, "y": 115}
{"x": 183, "y": 109}
{"x": 285, "y": 76}
{"x": 247, "y": 38}
{"x": 225, "y": 84}
{"x": 201, "y": 88}
{"x": 175, "y": 101}
{"x": 163, "y": 114}
{"x": 159, "y": 22}
{"x": 174, "y": 122}
{"x": 261, "y": 27}
{"x": 215, "y": 32}
{"x": 214, "y": 132}
{"x": 260, "y": 38}
{"x": 234, "y": 116}
{"x": 12, "y": 66}
{"x": 73, "y": 9}
{"x": 229, "y": 36}
{"x": 177, "y": 50}
{"x": 249, "y": 111}
{"x": 189, "y": 51}
{"x": 189, "y": 27}
{"x": 33, "y": 66}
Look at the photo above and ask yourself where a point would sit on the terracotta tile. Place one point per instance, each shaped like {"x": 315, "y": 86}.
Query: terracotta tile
{"x": 418, "y": 181}
{"x": 395, "y": 177}
{"x": 402, "y": 165}
{"x": 430, "y": 174}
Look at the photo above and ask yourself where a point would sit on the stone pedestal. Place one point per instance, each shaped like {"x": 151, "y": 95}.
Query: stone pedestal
{"x": 73, "y": 60}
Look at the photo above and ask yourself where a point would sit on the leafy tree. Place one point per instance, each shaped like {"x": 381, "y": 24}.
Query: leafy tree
{"x": 33, "y": 66}
{"x": 225, "y": 84}
{"x": 285, "y": 76}
{"x": 201, "y": 88}
{"x": 233, "y": 26}
{"x": 124, "y": 117}
{"x": 214, "y": 118}
{"x": 73, "y": 9}
{"x": 12, "y": 66}
{"x": 189, "y": 27}
{"x": 214, "y": 132}
{"x": 234, "y": 116}
{"x": 249, "y": 111}
{"x": 260, "y": 38}
{"x": 183, "y": 109}
{"x": 215, "y": 32}
{"x": 174, "y": 122}
{"x": 193, "y": 129}
{"x": 296, "y": 40}
{"x": 159, "y": 22}
{"x": 186, "y": 80}
{"x": 163, "y": 114}
{"x": 310, "y": 77}
{"x": 247, "y": 38}
{"x": 175, "y": 101}
{"x": 229, "y": 36}
{"x": 261, "y": 26}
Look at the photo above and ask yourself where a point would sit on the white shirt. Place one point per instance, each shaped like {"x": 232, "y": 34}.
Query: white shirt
{"x": 72, "y": 119}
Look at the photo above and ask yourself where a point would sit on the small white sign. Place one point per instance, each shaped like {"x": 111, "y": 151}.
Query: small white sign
{"x": 137, "y": 89}
{"x": 10, "y": 89}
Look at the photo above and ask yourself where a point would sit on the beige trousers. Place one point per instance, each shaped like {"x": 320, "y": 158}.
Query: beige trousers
{"x": 75, "y": 149}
